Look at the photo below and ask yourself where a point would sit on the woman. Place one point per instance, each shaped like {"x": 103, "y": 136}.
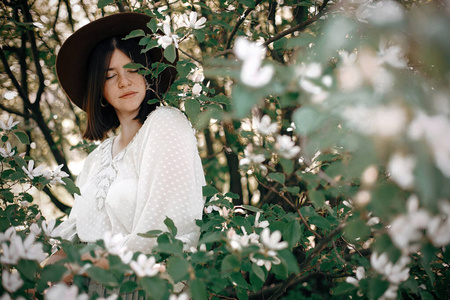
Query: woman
{"x": 131, "y": 182}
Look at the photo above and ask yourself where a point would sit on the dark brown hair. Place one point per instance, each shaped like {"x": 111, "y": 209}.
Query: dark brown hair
{"x": 102, "y": 119}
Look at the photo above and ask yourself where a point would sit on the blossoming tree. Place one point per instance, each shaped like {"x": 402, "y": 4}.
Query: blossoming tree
{"x": 325, "y": 137}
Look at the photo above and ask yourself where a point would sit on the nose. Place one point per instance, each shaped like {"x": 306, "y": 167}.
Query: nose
{"x": 124, "y": 80}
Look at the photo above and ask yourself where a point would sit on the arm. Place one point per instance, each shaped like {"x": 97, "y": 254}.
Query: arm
{"x": 170, "y": 180}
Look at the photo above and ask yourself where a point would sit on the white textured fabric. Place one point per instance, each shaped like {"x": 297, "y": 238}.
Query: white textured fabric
{"x": 158, "y": 174}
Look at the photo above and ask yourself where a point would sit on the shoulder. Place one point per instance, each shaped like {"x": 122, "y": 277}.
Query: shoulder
{"x": 166, "y": 117}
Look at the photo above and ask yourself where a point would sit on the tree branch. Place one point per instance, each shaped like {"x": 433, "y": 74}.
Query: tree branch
{"x": 293, "y": 278}
{"x": 239, "y": 22}
{"x": 12, "y": 111}
{"x": 298, "y": 27}
{"x": 11, "y": 76}
{"x": 293, "y": 206}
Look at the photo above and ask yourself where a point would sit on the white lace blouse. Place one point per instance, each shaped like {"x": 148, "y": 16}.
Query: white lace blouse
{"x": 158, "y": 174}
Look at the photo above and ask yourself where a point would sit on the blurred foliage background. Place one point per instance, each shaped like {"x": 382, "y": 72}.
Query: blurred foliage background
{"x": 344, "y": 124}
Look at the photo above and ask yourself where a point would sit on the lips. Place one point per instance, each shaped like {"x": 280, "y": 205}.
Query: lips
{"x": 128, "y": 95}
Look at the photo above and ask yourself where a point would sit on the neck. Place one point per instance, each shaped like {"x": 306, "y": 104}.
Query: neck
{"x": 129, "y": 128}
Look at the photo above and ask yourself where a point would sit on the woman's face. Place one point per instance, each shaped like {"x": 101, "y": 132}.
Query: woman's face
{"x": 124, "y": 88}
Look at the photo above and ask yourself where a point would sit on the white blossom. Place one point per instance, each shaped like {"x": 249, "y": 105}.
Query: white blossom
{"x": 9, "y": 255}
{"x": 252, "y": 159}
{"x": 386, "y": 13}
{"x": 182, "y": 296}
{"x": 116, "y": 245}
{"x": 364, "y": 11}
{"x": 32, "y": 172}
{"x": 286, "y": 147}
{"x": 406, "y": 230}
{"x": 29, "y": 249}
{"x": 390, "y": 293}
{"x": 11, "y": 281}
{"x": 192, "y": 22}
{"x": 62, "y": 291}
{"x": 196, "y": 89}
{"x": 401, "y": 169}
{"x": 144, "y": 266}
{"x": 210, "y": 208}
{"x": 436, "y": 132}
{"x": 309, "y": 75}
{"x": 252, "y": 74}
{"x": 262, "y": 224}
{"x": 438, "y": 229}
{"x": 238, "y": 242}
{"x": 35, "y": 229}
{"x": 385, "y": 120}
{"x": 360, "y": 274}
{"x": 6, "y": 236}
{"x": 58, "y": 175}
{"x": 264, "y": 126}
{"x": 9, "y": 125}
{"x": 48, "y": 228}
{"x": 267, "y": 263}
{"x": 272, "y": 241}
{"x": 8, "y": 152}
{"x": 392, "y": 55}
{"x": 168, "y": 38}
{"x": 395, "y": 273}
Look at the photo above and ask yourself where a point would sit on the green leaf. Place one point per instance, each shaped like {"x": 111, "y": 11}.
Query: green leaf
{"x": 155, "y": 287}
{"x": 307, "y": 119}
{"x": 103, "y": 276}
{"x": 70, "y": 186}
{"x": 170, "y": 53}
{"x": 53, "y": 273}
{"x": 103, "y": 3}
{"x": 320, "y": 222}
{"x": 294, "y": 190}
{"x": 209, "y": 191}
{"x": 249, "y": 3}
{"x": 281, "y": 43}
{"x": 150, "y": 45}
{"x": 230, "y": 263}
{"x": 342, "y": 288}
{"x": 211, "y": 237}
{"x": 171, "y": 226}
{"x": 199, "y": 35}
{"x": 317, "y": 198}
{"x": 128, "y": 287}
{"x": 152, "y": 25}
{"x": 278, "y": 177}
{"x": 243, "y": 99}
{"x": 152, "y": 101}
{"x": 198, "y": 290}
{"x": 232, "y": 195}
{"x": 355, "y": 229}
{"x": 252, "y": 208}
{"x": 377, "y": 287}
{"x": 178, "y": 268}
{"x": 258, "y": 272}
{"x": 27, "y": 268}
{"x": 135, "y": 33}
{"x": 22, "y": 136}
{"x": 150, "y": 234}
{"x": 192, "y": 108}
{"x": 287, "y": 164}
{"x": 292, "y": 233}
{"x": 302, "y": 41}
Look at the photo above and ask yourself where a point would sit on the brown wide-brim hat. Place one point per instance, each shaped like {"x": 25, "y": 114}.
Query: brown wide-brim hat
{"x": 72, "y": 59}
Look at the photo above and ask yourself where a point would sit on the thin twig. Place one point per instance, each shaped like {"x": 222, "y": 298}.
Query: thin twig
{"x": 190, "y": 56}
{"x": 293, "y": 206}
{"x": 303, "y": 266}
{"x": 239, "y": 22}
{"x": 298, "y": 27}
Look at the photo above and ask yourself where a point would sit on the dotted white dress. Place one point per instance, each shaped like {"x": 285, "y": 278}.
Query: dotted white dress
{"x": 158, "y": 174}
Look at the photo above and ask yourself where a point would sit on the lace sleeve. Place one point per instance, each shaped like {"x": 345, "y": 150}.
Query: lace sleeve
{"x": 170, "y": 179}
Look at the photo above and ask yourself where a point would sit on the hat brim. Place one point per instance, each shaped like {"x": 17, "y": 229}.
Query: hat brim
{"x": 71, "y": 62}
